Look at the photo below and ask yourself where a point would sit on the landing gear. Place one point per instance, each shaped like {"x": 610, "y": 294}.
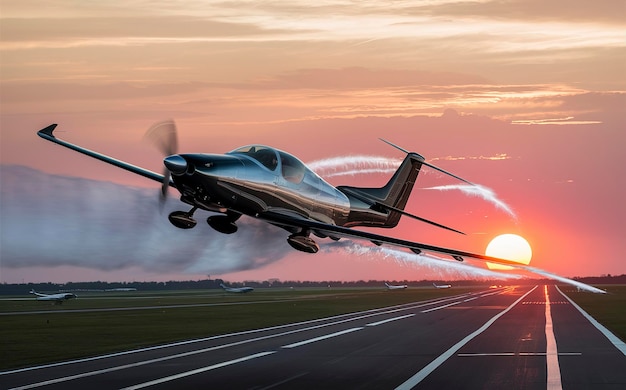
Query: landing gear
{"x": 182, "y": 219}
{"x": 303, "y": 243}
{"x": 222, "y": 223}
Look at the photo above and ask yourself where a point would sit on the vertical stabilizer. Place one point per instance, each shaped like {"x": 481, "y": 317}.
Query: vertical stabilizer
{"x": 368, "y": 204}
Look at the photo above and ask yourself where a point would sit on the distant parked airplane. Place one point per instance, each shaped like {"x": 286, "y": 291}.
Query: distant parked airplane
{"x": 442, "y": 285}
{"x": 56, "y": 298}
{"x": 396, "y": 287}
{"x": 236, "y": 289}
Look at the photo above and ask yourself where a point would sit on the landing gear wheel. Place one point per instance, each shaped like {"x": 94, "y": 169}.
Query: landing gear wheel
{"x": 182, "y": 220}
{"x": 222, "y": 223}
{"x": 303, "y": 243}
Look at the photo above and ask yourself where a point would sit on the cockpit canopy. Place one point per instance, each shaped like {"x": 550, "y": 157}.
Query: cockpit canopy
{"x": 292, "y": 169}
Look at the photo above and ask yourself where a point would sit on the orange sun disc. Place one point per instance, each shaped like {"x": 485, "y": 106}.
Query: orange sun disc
{"x": 509, "y": 247}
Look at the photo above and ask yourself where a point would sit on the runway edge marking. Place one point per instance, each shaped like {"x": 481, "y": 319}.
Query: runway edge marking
{"x": 619, "y": 344}
{"x": 432, "y": 366}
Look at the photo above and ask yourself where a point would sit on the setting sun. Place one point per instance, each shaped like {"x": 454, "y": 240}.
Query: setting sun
{"x": 509, "y": 247}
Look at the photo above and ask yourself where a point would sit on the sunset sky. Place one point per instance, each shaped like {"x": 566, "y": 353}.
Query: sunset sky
{"x": 526, "y": 98}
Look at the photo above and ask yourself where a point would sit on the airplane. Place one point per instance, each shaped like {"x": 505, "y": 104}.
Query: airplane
{"x": 396, "y": 287}
{"x": 236, "y": 289}
{"x": 442, "y": 285}
{"x": 274, "y": 186}
{"x": 56, "y": 298}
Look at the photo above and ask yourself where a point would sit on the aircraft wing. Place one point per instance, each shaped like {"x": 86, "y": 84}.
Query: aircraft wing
{"x": 46, "y": 134}
{"x": 340, "y": 231}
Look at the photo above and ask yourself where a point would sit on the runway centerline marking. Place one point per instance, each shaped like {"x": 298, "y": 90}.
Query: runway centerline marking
{"x": 432, "y": 366}
{"x": 619, "y": 344}
{"x": 389, "y": 320}
{"x": 197, "y": 371}
{"x": 552, "y": 357}
{"x": 326, "y": 336}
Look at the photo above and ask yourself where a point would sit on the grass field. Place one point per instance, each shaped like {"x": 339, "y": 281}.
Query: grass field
{"x": 608, "y": 309}
{"x": 54, "y": 334}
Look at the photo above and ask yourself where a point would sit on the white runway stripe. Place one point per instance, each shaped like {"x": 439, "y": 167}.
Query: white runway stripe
{"x": 432, "y": 366}
{"x": 197, "y": 371}
{"x": 552, "y": 357}
{"x": 326, "y": 336}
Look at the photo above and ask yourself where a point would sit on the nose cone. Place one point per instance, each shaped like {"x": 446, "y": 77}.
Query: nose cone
{"x": 175, "y": 164}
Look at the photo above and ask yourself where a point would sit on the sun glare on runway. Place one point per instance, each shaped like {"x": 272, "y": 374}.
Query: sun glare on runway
{"x": 509, "y": 247}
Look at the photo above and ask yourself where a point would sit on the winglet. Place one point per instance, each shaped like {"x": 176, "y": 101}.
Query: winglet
{"x": 47, "y": 132}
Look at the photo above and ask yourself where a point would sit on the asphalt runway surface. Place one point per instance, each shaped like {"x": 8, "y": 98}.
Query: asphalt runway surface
{"x": 514, "y": 337}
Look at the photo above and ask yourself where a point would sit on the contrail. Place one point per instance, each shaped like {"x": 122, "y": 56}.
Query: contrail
{"x": 576, "y": 283}
{"x": 361, "y": 164}
{"x": 440, "y": 267}
{"x": 353, "y": 165}
{"x": 445, "y": 267}
{"x": 479, "y": 191}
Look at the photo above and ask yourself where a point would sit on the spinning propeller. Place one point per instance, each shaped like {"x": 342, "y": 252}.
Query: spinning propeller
{"x": 164, "y": 136}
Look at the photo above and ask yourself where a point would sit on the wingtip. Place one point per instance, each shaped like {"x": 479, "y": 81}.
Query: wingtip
{"x": 47, "y": 131}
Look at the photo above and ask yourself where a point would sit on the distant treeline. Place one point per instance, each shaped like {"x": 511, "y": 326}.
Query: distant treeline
{"x": 24, "y": 288}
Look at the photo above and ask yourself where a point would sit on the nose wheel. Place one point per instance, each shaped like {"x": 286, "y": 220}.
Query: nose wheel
{"x": 182, "y": 219}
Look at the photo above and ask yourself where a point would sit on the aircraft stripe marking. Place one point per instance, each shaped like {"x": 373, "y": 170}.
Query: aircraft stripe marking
{"x": 619, "y": 344}
{"x": 552, "y": 358}
{"x": 197, "y": 371}
{"x": 313, "y": 340}
{"x": 432, "y": 366}
{"x": 389, "y": 320}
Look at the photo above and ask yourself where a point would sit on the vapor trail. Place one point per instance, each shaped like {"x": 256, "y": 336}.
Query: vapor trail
{"x": 479, "y": 191}
{"x": 361, "y": 164}
{"x": 443, "y": 266}
{"x": 436, "y": 265}
{"x": 575, "y": 283}
{"x": 353, "y": 165}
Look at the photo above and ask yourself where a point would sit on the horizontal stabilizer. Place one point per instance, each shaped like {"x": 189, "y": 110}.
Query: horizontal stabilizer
{"x": 428, "y": 164}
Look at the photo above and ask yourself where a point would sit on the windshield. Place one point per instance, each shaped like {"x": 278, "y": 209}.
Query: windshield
{"x": 266, "y": 156}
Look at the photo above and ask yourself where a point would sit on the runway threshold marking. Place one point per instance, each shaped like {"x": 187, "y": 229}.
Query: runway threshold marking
{"x": 432, "y": 366}
{"x": 389, "y": 320}
{"x": 619, "y": 344}
{"x": 197, "y": 371}
{"x": 552, "y": 357}
{"x": 326, "y": 336}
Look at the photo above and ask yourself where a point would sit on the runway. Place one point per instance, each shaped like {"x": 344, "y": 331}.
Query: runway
{"x": 515, "y": 337}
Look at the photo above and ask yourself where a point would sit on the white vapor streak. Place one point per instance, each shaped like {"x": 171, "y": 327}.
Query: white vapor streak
{"x": 479, "y": 191}
{"x": 575, "y": 283}
{"x": 443, "y": 268}
{"x": 446, "y": 267}
{"x": 361, "y": 164}
{"x": 351, "y": 165}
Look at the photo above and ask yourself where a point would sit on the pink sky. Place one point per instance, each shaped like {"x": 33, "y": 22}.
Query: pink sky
{"x": 534, "y": 96}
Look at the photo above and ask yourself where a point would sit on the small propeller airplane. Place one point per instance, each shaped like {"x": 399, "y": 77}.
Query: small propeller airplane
{"x": 56, "y": 298}
{"x": 274, "y": 186}
{"x": 442, "y": 285}
{"x": 395, "y": 287}
{"x": 236, "y": 289}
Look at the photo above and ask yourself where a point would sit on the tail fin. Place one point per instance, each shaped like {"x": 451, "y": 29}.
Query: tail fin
{"x": 375, "y": 206}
